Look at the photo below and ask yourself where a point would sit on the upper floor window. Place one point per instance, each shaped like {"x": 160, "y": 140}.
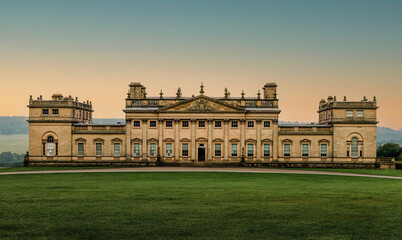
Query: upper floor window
{"x": 55, "y": 111}
{"x": 169, "y": 124}
{"x": 250, "y": 124}
{"x": 218, "y": 124}
{"x": 286, "y": 150}
{"x": 184, "y": 124}
{"x": 152, "y": 124}
{"x": 137, "y": 124}
{"x": 235, "y": 124}
{"x": 349, "y": 113}
{"x": 359, "y": 113}
{"x": 267, "y": 124}
{"x": 218, "y": 150}
{"x": 267, "y": 149}
{"x": 323, "y": 150}
{"x": 45, "y": 111}
{"x": 305, "y": 150}
{"x": 201, "y": 124}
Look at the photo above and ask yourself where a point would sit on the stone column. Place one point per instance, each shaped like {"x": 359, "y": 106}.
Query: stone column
{"x": 242, "y": 137}
{"x": 258, "y": 138}
{"x": 144, "y": 139}
{"x": 160, "y": 139}
{"x": 193, "y": 122}
{"x": 226, "y": 140}
{"x": 176, "y": 139}
{"x": 209, "y": 157}
{"x": 128, "y": 139}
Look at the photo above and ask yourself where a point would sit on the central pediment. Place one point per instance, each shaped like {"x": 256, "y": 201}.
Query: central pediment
{"x": 201, "y": 104}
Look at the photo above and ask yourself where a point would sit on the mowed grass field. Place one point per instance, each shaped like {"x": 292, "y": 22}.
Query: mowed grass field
{"x": 199, "y": 206}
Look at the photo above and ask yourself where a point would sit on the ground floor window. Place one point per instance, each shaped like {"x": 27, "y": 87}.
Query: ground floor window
{"x": 250, "y": 150}
{"x": 184, "y": 149}
{"x": 152, "y": 149}
{"x": 218, "y": 150}
{"x": 50, "y": 147}
{"x": 355, "y": 147}
{"x": 80, "y": 149}
{"x": 267, "y": 150}
{"x": 169, "y": 149}
{"x": 323, "y": 150}
{"x": 305, "y": 150}
{"x": 116, "y": 148}
{"x": 234, "y": 150}
{"x": 98, "y": 147}
{"x": 136, "y": 149}
{"x": 286, "y": 150}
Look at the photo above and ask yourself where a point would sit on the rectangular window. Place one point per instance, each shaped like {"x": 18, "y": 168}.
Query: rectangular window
{"x": 349, "y": 113}
{"x": 50, "y": 149}
{"x": 359, "y": 113}
{"x": 98, "y": 147}
{"x": 152, "y": 149}
{"x": 45, "y": 111}
{"x": 218, "y": 124}
{"x": 323, "y": 150}
{"x": 286, "y": 150}
{"x": 235, "y": 124}
{"x": 136, "y": 149}
{"x": 169, "y": 124}
{"x": 137, "y": 124}
{"x": 267, "y": 124}
{"x": 184, "y": 149}
{"x": 234, "y": 150}
{"x": 250, "y": 124}
{"x": 168, "y": 149}
{"x": 116, "y": 149}
{"x": 218, "y": 151}
{"x": 305, "y": 150}
{"x": 184, "y": 124}
{"x": 55, "y": 111}
{"x": 267, "y": 150}
{"x": 152, "y": 124}
{"x": 201, "y": 124}
{"x": 80, "y": 149}
{"x": 250, "y": 150}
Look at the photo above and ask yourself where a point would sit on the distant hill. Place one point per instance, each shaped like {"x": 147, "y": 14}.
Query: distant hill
{"x": 19, "y": 125}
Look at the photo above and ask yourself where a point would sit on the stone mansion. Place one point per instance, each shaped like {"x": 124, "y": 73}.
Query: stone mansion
{"x": 199, "y": 130}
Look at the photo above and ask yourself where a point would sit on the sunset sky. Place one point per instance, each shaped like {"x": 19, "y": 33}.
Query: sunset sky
{"x": 311, "y": 49}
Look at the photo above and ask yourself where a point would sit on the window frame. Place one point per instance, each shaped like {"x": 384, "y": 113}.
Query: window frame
{"x": 199, "y": 124}
{"x": 269, "y": 150}
{"x": 152, "y": 152}
{"x": 323, "y": 155}
{"x": 135, "y": 150}
{"x": 151, "y": 123}
{"x": 250, "y": 154}
{"x": 218, "y": 151}
{"x": 234, "y": 152}
{"x": 55, "y": 111}
{"x": 171, "y": 150}
{"x": 250, "y": 122}
{"x": 269, "y": 124}
{"x": 218, "y": 124}
{"x": 185, "y": 122}
{"x": 170, "y": 123}
{"x": 134, "y": 124}
{"x": 45, "y": 111}
{"x": 286, "y": 153}
{"x": 114, "y": 149}
{"x": 360, "y": 115}
{"x": 305, "y": 153}
{"x": 80, "y": 152}
{"x": 237, "y": 124}
{"x": 96, "y": 149}
{"x": 184, "y": 151}
{"x": 348, "y": 115}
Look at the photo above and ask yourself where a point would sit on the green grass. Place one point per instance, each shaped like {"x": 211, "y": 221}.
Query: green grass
{"x": 383, "y": 172}
{"x": 199, "y": 206}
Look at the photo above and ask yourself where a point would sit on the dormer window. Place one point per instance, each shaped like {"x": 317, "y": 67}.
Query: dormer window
{"x": 349, "y": 113}
{"x": 359, "y": 113}
{"x": 45, "y": 111}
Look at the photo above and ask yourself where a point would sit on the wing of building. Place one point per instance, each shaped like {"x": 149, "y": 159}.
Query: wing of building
{"x": 201, "y": 130}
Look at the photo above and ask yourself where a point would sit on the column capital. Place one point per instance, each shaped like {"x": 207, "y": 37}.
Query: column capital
{"x": 193, "y": 120}
{"x": 210, "y": 120}
{"x": 274, "y": 120}
{"x": 242, "y": 120}
{"x": 177, "y": 120}
{"x": 160, "y": 120}
{"x": 258, "y": 120}
{"x": 226, "y": 121}
{"x": 144, "y": 120}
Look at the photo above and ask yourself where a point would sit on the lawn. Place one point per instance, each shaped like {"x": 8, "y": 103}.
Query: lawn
{"x": 199, "y": 206}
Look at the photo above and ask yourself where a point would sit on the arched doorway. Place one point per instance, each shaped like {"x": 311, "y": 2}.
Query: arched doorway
{"x": 201, "y": 153}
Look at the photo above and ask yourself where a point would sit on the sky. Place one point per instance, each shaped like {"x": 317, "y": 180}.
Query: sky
{"x": 94, "y": 49}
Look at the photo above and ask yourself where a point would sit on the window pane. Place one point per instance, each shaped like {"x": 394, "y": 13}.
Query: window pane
{"x": 250, "y": 150}
{"x": 168, "y": 149}
{"x": 152, "y": 149}
{"x": 218, "y": 124}
{"x": 267, "y": 124}
{"x": 201, "y": 124}
{"x": 267, "y": 150}
{"x": 286, "y": 150}
{"x": 45, "y": 111}
{"x": 323, "y": 150}
{"x": 116, "y": 149}
{"x": 137, "y": 124}
{"x": 234, "y": 150}
{"x": 235, "y": 124}
{"x": 305, "y": 150}
{"x": 169, "y": 124}
{"x": 184, "y": 124}
{"x": 98, "y": 149}
{"x": 152, "y": 124}
{"x": 349, "y": 113}
{"x": 50, "y": 149}
{"x": 80, "y": 149}
{"x": 354, "y": 147}
{"x": 218, "y": 151}
{"x": 250, "y": 124}
{"x": 185, "y": 150}
{"x": 359, "y": 113}
{"x": 55, "y": 111}
{"x": 136, "y": 149}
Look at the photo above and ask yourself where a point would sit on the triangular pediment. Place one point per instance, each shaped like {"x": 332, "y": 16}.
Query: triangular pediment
{"x": 201, "y": 104}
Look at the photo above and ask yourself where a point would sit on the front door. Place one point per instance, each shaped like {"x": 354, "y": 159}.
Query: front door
{"x": 201, "y": 153}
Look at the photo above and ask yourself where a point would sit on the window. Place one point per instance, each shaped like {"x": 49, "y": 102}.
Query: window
{"x": 323, "y": 150}
{"x": 349, "y": 113}
{"x": 218, "y": 151}
{"x": 359, "y": 113}
{"x": 80, "y": 149}
{"x": 152, "y": 124}
{"x": 137, "y": 124}
{"x": 250, "y": 124}
{"x": 55, "y": 111}
{"x": 286, "y": 150}
{"x": 168, "y": 149}
{"x": 184, "y": 124}
{"x": 267, "y": 150}
{"x": 136, "y": 149}
{"x": 184, "y": 149}
{"x": 267, "y": 124}
{"x": 218, "y": 124}
{"x": 305, "y": 150}
{"x": 201, "y": 124}
{"x": 169, "y": 124}
{"x": 45, "y": 111}
{"x": 234, "y": 150}
{"x": 50, "y": 146}
{"x": 116, "y": 149}
{"x": 152, "y": 149}
{"x": 250, "y": 150}
{"x": 98, "y": 147}
{"x": 355, "y": 147}
{"x": 235, "y": 124}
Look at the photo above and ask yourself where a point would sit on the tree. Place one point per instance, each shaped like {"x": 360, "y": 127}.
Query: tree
{"x": 389, "y": 150}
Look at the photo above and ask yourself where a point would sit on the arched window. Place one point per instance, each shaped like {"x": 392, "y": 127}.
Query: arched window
{"x": 354, "y": 147}
{"x": 50, "y": 146}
